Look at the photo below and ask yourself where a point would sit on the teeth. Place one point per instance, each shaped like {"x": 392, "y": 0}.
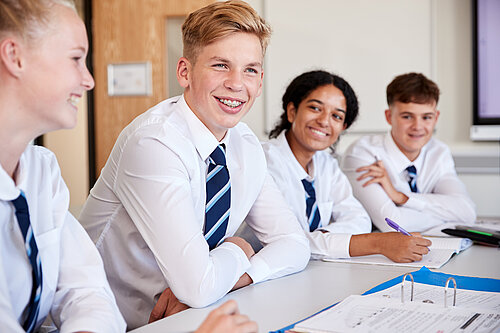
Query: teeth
{"x": 230, "y": 103}
{"x": 74, "y": 100}
{"x": 318, "y": 132}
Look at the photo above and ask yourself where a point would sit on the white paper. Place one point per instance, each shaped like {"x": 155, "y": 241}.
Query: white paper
{"x": 427, "y": 293}
{"x": 376, "y": 314}
{"x": 441, "y": 251}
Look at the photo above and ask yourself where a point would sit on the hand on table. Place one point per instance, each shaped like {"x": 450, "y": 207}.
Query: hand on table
{"x": 167, "y": 305}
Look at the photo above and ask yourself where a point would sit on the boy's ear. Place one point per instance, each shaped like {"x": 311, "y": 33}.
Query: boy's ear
{"x": 10, "y": 56}
{"x": 183, "y": 72}
{"x": 388, "y": 114}
{"x": 291, "y": 112}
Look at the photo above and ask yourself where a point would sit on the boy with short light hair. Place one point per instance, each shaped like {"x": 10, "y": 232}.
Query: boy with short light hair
{"x": 183, "y": 176}
{"x": 406, "y": 175}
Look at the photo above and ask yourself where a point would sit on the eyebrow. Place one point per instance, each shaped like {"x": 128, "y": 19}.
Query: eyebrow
{"x": 320, "y": 102}
{"x": 78, "y": 48}
{"x": 220, "y": 59}
{"x": 412, "y": 113}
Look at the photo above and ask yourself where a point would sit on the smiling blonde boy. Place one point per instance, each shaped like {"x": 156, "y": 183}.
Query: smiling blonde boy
{"x": 406, "y": 174}
{"x": 153, "y": 213}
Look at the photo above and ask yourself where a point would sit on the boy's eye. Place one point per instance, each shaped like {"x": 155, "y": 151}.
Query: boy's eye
{"x": 252, "y": 70}
{"x": 220, "y": 65}
{"x": 314, "y": 108}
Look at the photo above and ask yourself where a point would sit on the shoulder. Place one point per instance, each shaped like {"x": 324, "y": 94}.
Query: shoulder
{"x": 325, "y": 164}
{"x": 437, "y": 150}
{"x": 38, "y": 157}
{"x": 272, "y": 148}
{"x": 437, "y": 146}
{"x": 158, "y": 126}
{"x": 368, "y": 144}
{"x": 244, "y": 138}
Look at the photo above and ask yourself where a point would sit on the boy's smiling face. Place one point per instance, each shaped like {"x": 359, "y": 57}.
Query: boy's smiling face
{"x": 412, "y": 126}
{"x": 224, "y": 80}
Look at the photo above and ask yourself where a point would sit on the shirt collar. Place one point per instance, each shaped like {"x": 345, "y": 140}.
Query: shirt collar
{"x": 204, "y": 141}
{"x": 398, "y": 158}
{"x": 8, "y": 189}
{"x": 297, "y": 169}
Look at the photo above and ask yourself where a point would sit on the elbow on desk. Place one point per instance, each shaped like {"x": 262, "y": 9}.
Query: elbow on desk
{"x": 199, "y": 299}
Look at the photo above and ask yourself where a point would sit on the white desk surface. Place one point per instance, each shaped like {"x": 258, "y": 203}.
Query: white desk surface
{"x": 278, "y": 303}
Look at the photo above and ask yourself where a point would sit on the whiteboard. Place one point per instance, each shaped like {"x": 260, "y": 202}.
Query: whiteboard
{"x": 367, "y": 42}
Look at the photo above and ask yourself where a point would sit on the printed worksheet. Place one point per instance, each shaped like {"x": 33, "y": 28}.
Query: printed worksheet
{"x": 377, "y": 314}
{"x": 425, "y": 293}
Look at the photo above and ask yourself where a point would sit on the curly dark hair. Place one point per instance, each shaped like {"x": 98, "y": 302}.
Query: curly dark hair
{"x": 303, "y": 85}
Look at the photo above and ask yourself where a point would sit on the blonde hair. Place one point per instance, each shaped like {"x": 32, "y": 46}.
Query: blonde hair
{"x": 27, "y": 17}
{"x": 219, "y": 20}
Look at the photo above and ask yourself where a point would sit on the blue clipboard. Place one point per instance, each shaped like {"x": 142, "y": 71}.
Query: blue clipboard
{"x": 424, "y": 275}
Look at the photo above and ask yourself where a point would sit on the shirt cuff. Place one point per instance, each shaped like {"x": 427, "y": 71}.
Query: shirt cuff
{"x": 237, "y": 253}
{"x": 259, "y": 269}
{"x": 414, "y": 203}
{"x": 329, "y": 244}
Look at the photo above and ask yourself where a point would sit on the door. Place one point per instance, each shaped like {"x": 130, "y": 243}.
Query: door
{"x": 128, "y": 31}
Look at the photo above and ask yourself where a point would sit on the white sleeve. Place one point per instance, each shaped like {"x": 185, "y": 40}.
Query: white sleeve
{"x": 379, "y": 205}
{"x": 83, "y": 300}
{"x": 449, "y": 200}
{"x": 286, "y": 248}
{"x": 153, "y": 185}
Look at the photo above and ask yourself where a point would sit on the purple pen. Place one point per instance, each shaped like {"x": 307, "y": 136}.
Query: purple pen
{"x": 396, "y": 226}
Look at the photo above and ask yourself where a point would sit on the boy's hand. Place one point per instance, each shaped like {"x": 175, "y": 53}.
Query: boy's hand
{"x": 167, "y": 305}
{"x": 227, "y": 319}
{"x": 402, "y": 248}
{"x": 380, "y": 176}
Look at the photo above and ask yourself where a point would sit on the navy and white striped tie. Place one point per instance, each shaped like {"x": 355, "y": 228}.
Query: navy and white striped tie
{"x": 412, "y": 178}
{"x": 218, "y": 197}
{"x": 23, "y": 218}
{"x": 312, "y": 211}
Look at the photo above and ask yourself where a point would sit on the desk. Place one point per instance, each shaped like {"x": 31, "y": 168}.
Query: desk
{"x": 277, "y": 303}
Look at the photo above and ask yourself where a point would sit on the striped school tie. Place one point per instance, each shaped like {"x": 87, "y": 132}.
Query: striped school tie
{"x": 312, "y": 211}
{"x": 23, "y": 218}
{"x": 412, "y": 178}
{"x": 218, "y": 197}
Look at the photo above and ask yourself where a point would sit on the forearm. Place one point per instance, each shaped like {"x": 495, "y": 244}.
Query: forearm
{"x": 364, "y": 244}
{"x": 448, "y": 207}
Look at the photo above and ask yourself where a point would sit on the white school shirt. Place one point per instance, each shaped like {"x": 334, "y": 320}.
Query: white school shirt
{"x": 442, "y": 196}
{"x": 146, "y": 213}
{"x": 74, "y": 287}
{"x": 341, "y": 214}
